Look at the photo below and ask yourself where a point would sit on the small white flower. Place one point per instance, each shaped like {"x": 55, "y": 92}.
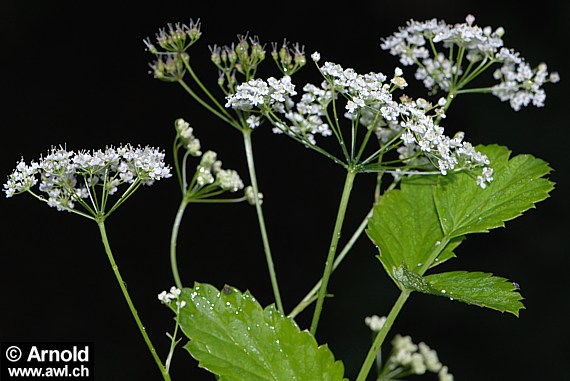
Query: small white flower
{"x": 374, "y": 322}
{"x": 167, "y": 297}
{"x": 316, "y": 56}
{"x": 253, "y": 121}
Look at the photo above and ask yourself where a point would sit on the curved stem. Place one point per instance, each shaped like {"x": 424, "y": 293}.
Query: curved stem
{"x": 142, "y": 330}
{"x": 174, "y": 239}
{"x": 260, "y": 218}
{"x": 371, "y": 356}
{"x": 332, "y": 248}
{"x": 310, "y": 297}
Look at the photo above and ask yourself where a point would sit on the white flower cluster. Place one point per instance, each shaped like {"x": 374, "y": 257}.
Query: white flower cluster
{"x": 375, "y": 322}
{"x": 259, "y": 92}
{"x": 368, "y": 99}
{"x": 416, "y": 358}
{"x": 306, "y": 116}
{"x": 521, "y": 85}
{"x": 173, "y": 294}
{"x": 368, "y": 95}
{"x": 210, "y": 171}
{"x": 22, "y": 178}
{"x": 187, "y": 138}
{"x": 413, "y": 43}
{"x": 68, "y": 176}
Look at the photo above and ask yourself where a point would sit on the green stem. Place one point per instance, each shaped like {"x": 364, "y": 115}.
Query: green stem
{"x": 142, "y": 330}
{"x": 260, "y": 218}
{"x": 371, "y": 356}
{"x": 206, "y": 105}
{"x": 475, "y": 90}
{"x": 310, "y": 297}
{"x": 332, "y": 248}
{"x": 173, "y": 341}
{"x": 205, "y": 90}
{"x": 174, "y": 239}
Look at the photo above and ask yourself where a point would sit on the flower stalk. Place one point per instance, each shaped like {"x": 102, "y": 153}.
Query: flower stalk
{"x": 349, "y": 181}
{"x": 260, "y": 217}
{"x": 163, "y": 371}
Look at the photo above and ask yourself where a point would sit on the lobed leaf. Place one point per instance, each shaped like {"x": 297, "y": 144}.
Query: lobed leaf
{"x": 232, "y": 336}
{"x": 477, "y": 288}
{"x": 420, "y": 225}
{"x": 518, "y": 184}
{"x": 409, "y": 224}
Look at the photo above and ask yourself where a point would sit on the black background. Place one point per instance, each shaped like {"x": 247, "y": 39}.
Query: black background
{"x": 76, "y": 73}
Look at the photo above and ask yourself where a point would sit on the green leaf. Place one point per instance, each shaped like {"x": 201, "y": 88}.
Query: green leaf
{"x": 477, "y": 288}
{"x": 420, "y": 225}
{"x": 406, "y": 228}
{"x": 518, "y": 184}
{"x": 429, "y": 216}
{"x": 232, "y": 336}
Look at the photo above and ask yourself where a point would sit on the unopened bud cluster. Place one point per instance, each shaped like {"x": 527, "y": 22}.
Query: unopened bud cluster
{"x": 209, "y": 177}
{"x": 171, "y": 56}
{"x": 243, "y": 57}
{"x": 289, "y": 58}
{"x": 186, "y": 135}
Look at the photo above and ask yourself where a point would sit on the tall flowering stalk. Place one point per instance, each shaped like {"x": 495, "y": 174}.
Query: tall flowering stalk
{"x": 92, "y": 184}
{"x": 238, "y": 60}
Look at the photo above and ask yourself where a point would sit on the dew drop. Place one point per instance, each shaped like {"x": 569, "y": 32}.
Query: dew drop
{"x": 419, "y": 264}
{"x": 227, "y": 290}
{"x": 450, "y": 298}
{"x": 516, "y": 286}
{"x": 438, "y": 243}
{"x": 443, "y": 291}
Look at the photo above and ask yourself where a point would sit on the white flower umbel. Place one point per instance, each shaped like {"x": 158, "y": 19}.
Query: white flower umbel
{"x": 369, "y": 102}
{"x": 448, "y": 57}
{"x": 88, "y": 178}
